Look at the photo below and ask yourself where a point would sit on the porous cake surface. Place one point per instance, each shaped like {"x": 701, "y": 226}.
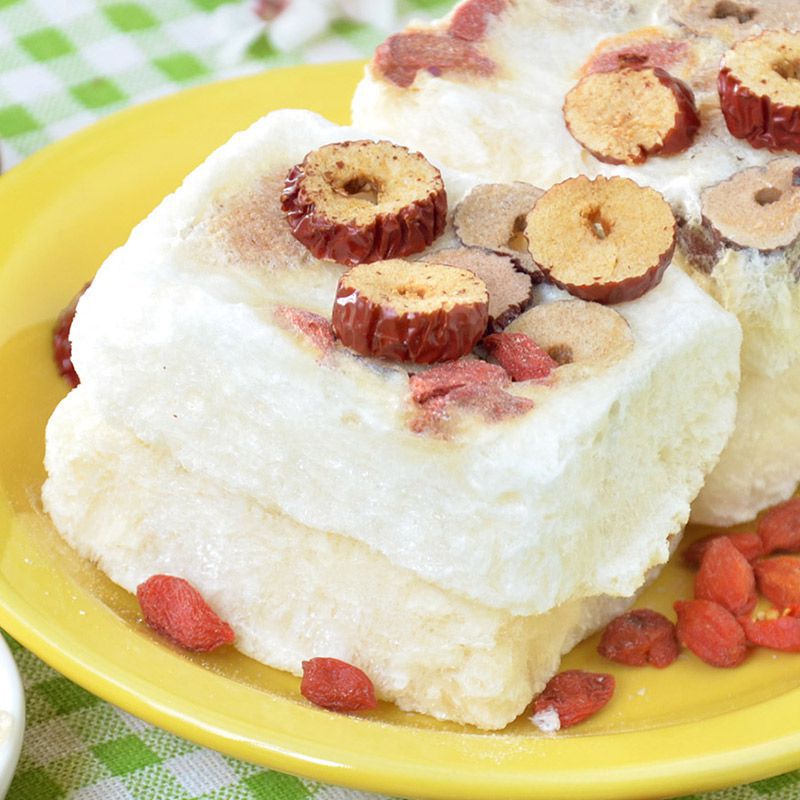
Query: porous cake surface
{"x": 508, "y": 124}
{"x": 238, "y": 432}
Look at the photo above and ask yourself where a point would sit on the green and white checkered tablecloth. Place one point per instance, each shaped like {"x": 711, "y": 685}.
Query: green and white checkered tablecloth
{"x": 63, "y": 65}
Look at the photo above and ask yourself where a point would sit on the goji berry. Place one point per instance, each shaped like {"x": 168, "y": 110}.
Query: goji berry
{"x": 748, "y": 543}
{"x": 472, "y": 18}
{"x": 779, "y": 580}
{"x": 575, "y": 695}
{"x": 318, "y": 329}
{"x": 62, "y": 346}
{"x": 640, "y": 637}
{"x": 337, "y": 685}
{"x": 174, "y": 608}
{"x": 711, "y": 632}
{"x": 444, "y": 378}
{"x": 492, "y": 403}
{"x": 726, "y": 577}
{"x": 782, "y": 633}
{"x": 779, "y": 528}
{"x": 404, "y": 54}
{"x": 520, "y": 356}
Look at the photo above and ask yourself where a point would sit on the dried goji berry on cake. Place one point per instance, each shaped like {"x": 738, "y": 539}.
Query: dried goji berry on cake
{"x": 711, "y": 632}
{"x": 748, "y": 543}
{"x": 520, "y": 356}
{"x": 726, "y": 577}
{"x": 455, "y": 53}
{"x": 779, "y": 528}
{"x": 174, "y": 608}
{"x": 627, "y": 115}
{"x": 607, "y": 239}
{"x": 640, "y": 637}
{"x": 778, "y": 580}
{"x": 362, "y": 201}
{"x": 62, "y": 346}
{"x": 444, "y": 378}
{"x": 472, "y": 18}
{"x": 780, "y": 633}
{"x": 318, "y": 329}
{"x": 410, "y": 311}
{"x": 759, "y": 90}
{"x": 572, "y": 696}
{"x": 337, "y": 685}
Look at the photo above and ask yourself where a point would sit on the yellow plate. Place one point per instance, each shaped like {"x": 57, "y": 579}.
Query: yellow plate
{"x": 666, "y": 732}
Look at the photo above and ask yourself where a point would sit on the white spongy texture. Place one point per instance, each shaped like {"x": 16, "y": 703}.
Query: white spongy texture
{"x": 291, "y": 592}
{"x": 511, "y": 127}
{"x": 574, "y": 499}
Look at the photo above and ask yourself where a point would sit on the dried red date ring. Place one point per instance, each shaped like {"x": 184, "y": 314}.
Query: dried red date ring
{"x": 627, "y": 115}
{"x": 607, "y": 240}
{"x": 731, "y": 20}
{"x": 759, "y": 90}
{"x": 363, "y": 201}
{"x": 410, "y": 311}
{"x": 758, "y": 207}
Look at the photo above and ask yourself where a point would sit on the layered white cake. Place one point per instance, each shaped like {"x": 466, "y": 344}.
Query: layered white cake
{"x": 495, "y": 108}
{"x": 211, "y": 440}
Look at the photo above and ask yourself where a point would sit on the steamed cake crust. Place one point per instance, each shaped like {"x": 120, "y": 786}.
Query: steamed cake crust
{"x": 426, "y": 649}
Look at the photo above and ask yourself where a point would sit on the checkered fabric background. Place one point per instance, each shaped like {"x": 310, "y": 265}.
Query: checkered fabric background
{"x": 64, "y": 64}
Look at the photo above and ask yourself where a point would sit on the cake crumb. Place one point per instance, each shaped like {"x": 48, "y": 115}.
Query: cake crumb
{"x": 547, "y": 720}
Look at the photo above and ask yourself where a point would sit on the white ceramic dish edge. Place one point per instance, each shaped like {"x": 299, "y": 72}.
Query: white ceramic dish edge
{"x": 12, "y": 701}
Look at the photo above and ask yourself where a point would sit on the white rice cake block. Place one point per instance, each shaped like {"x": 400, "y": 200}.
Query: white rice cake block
{"x": 290, "y": 591}
{"x": 509, "y": 126}
{"x": 184, "y": 364}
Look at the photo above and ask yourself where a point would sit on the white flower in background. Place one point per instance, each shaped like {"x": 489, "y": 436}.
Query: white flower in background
{"x": 295, "y": 22}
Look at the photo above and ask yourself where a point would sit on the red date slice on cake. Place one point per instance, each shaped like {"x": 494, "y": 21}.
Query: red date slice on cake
{"x": 756, "y": 208}
{"x": 410, "y": 311}
{"x": 510, "y": 287}
{"x": 607, "y": 239}
{"x": 730, "y": 20}
{"x": 627, "y": 115}
{"x": 759, "y": 90}
{"x": 364, "y": 201}
{"x": 493, "y": 215}
{"x": 577, "y": 332}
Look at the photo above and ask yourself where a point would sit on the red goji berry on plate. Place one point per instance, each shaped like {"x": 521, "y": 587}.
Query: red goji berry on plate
{"x": 726, "y": 577}
{"x": 575, "y": 695}
{"x": 640, "y": 637}
{"x": 174, "y": 608}
{"x": 711, "y": 632}
{"x": 337, "y": 685}
{"x": 779, "y": 528}
{"x": 748, "y": 543}
{"x": 782, "y": 633}
{"x": 778, "y": 580}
